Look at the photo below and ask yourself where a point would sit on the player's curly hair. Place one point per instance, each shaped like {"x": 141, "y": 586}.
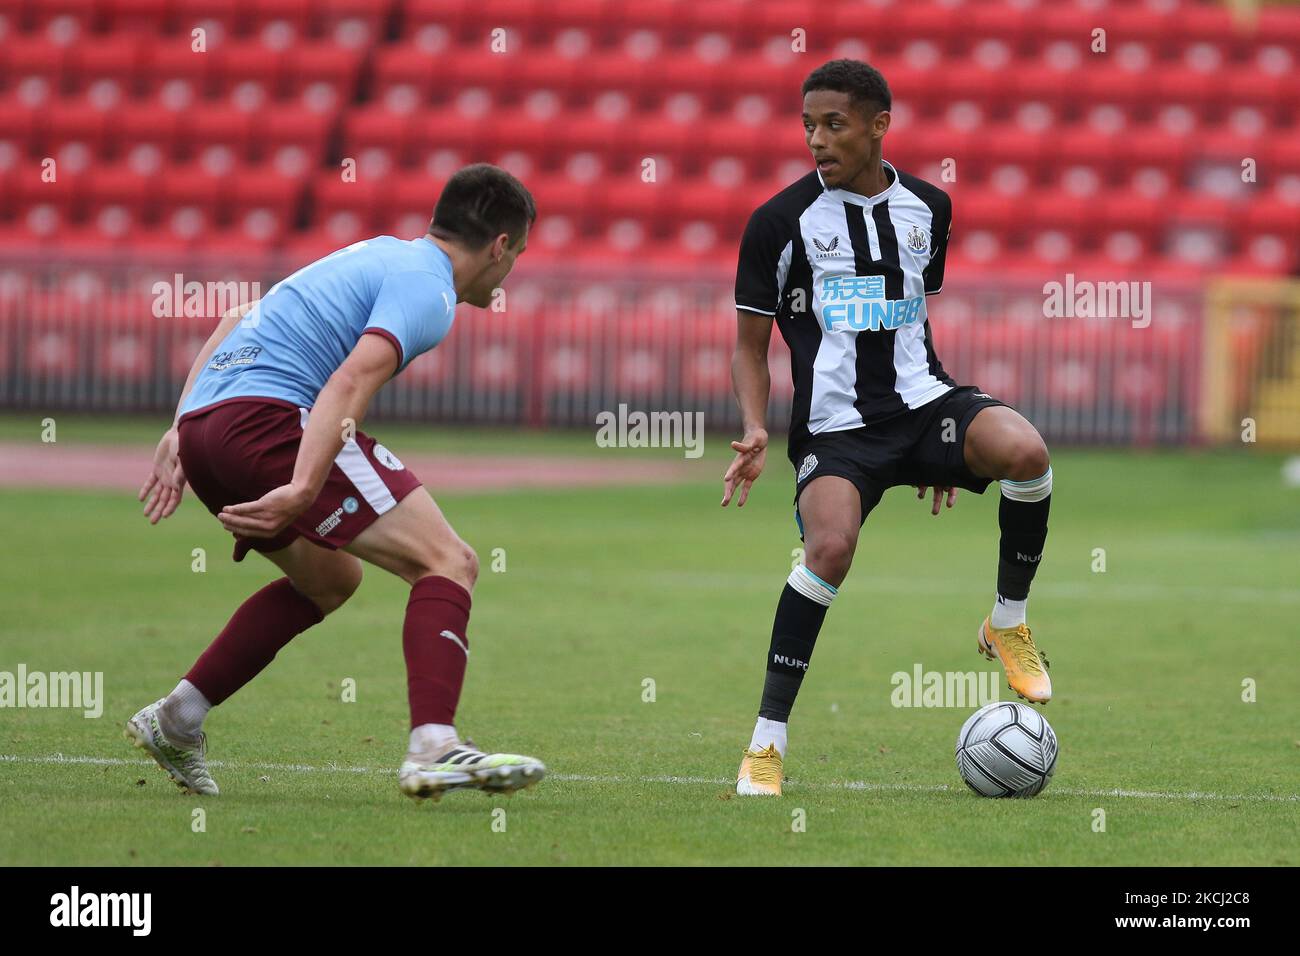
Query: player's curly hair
{"x": 479, "y": 203}
{"x": 867, "y": 89}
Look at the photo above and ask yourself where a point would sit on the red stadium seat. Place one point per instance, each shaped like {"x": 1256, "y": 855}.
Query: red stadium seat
{"x": 138, "y": 15}
{"x": 328, "y": 63}
{"x": 113, "y": 56}
{"x": 1070, "y": 23}
{"x": 1286, "y": 150}
{"x": 119, "y": 185}
{"x": 405, "y": 64}
{"x": 697, "y": 18}
{"x": 414, "y": 194}
{"x": 429, "y": 130}
{"x": 1012, "y": 23}
{"x": 1181, "y": 85}
{"x": 1106, "y": 82}
{"x": 260, "y": 187}
{"x": 567, "y": 14}
{"x": 1280, "y": 25}
{"x": 75, "y": 121}
{"x": 280, "y": 126}
{"x": 1032, "y": 119}
{"x": 236, "y": 62}
{"x": 41, "y": 12}
{"x": 21, "y": 122}
{"x": 314, "y": 244}
{"x": 663, "y": 17}
{"x": 561, "y": 197}
{"x": 173, "y": 58}
{"x": 376, "y": 127}
{"x": 455, "y": 14}
{"x": 225, "y": 125}
{"x": 299, "y": 14}
{"x": 29, "y": 56}
{"x": 135, "y": 124}
{"x": 372, "y": 12}
{"x": 503, "y": 75}
{"x": 1057, "y": 88}
{"x": 231, "y": 14}
{"x": 191, "y": 186}
{"x": 1205, "y": 23}
{"x": 367, "y": 200}
{"x": 1142, "y": 23}
{"x": 64, "y": 194}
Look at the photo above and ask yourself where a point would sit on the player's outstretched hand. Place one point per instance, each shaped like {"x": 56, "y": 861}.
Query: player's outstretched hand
{"x": 268, "y": 515}
{"x": 162, "y": 490}
{"x": 938, "y": 496}
{"x": 751, "y": 455}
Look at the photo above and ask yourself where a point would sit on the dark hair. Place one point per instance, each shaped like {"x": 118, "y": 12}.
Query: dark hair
{"x": 867, "y": 89}
{"x": 479, "y": 203}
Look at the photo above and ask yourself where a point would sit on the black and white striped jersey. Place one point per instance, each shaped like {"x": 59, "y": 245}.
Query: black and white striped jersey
{"x": 846, "y": 277}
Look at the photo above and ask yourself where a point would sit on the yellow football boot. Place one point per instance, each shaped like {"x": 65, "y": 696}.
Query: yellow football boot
{"x": 1025, "y": 664}
{"x": 760, "y": 773}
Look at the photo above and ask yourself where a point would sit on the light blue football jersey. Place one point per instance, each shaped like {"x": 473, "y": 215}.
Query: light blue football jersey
{"x": 301, "y": 331}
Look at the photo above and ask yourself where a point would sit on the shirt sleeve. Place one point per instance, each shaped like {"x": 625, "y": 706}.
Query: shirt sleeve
{"x": 940, "y": 232}
{"x": 414, "y": 311}
{"x": 759, "y": 272}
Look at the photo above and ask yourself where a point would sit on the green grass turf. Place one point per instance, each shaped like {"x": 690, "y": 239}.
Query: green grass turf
{"x": 403, "y": 437}
{"x": 605, "y": 588}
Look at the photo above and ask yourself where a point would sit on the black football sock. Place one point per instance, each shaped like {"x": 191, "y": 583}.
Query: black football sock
{"x": 799, "y": 617}
{"x": 1022, "y": 516}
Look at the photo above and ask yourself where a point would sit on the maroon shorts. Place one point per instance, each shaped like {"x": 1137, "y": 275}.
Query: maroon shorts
{"x": 237, "y": 451}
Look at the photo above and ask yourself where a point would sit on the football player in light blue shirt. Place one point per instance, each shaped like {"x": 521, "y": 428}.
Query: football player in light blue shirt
{"x": 272, "y": 402}
{"x": 302, "y": 331}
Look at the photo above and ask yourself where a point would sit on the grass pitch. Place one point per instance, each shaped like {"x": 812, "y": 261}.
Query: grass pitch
{"x": 603, "y": 590}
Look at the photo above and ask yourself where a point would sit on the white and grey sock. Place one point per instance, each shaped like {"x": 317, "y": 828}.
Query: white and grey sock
{"x": 433, "y": 739}
{"x": 182, "y": 713}
{"x": 768, "y": 732}
{"x": 1007, "y": 613}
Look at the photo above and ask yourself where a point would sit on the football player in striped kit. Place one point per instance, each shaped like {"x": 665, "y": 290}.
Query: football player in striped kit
{"x": 843, "y": 261}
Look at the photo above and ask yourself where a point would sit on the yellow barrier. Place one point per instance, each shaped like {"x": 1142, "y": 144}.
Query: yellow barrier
{"x": 1251, "y": 370}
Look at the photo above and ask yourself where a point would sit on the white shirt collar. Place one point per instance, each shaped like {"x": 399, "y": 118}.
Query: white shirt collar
{"x": 858, "y": 198}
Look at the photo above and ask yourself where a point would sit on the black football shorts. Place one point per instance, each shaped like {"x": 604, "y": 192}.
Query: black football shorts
{"x": 921, "y": 446}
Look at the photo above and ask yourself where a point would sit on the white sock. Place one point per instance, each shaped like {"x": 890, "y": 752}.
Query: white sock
{"x": 1008, "y": 613}
{"x": 184, "y": 712}
{"x": 434, "y": 739}
{"x": 811, "y": 586}
{"x": 768, "y": 732}
{"x": 1035, "y": 489}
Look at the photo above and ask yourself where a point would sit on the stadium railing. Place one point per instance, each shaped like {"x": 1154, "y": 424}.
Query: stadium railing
{"x": 563, "y": 350}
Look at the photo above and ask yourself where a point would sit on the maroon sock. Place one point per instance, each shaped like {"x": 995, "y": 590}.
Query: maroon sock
{"x": 264, "y": 623}
{"x": 435, "y": 663}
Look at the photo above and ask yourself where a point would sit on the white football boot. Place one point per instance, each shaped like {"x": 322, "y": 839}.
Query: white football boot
{"x": 187, "y": 767}
{"x": 465, "y": 767}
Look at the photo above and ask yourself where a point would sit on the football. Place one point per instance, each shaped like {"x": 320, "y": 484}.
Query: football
{"x": 1006, "y": 749}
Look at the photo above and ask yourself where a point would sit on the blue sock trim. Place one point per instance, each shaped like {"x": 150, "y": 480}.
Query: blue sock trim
{"x": 828, "y": 587}
{"x": 1029, "y": 481}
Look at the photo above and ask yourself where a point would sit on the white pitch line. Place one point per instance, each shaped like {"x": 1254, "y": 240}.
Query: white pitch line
{"x": 698, "y": 781}
{"x": 1063, "y": 590}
